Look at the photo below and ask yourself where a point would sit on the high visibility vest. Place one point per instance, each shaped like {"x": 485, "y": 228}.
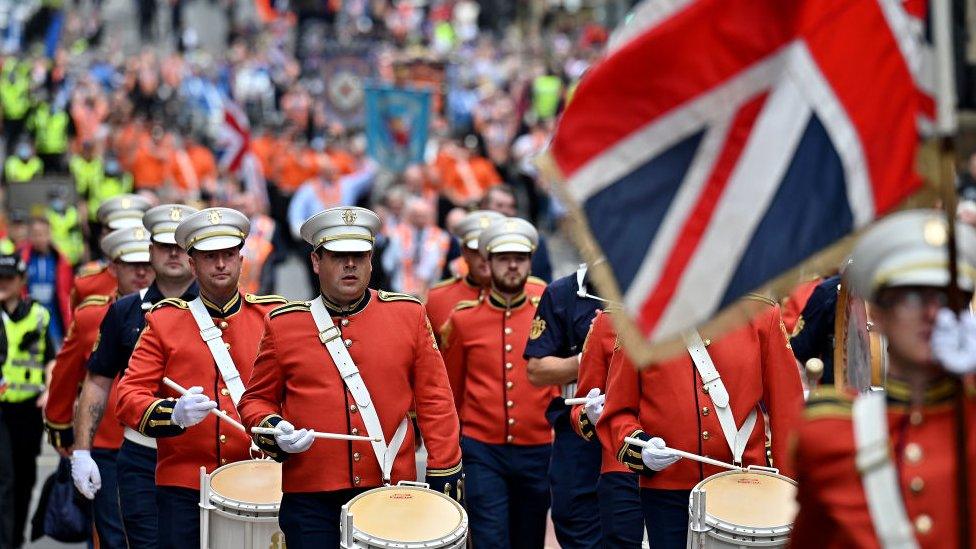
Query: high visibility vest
{"x": 105, "y": 188}
{"x": 87, "y": 173}
{"x": 24, "y": 368}
{"x": 14, "y": 90}
{"x": 7, "y": 246}
{"x": 50, "y": 130}
{"x": 66, "y": 233}
{"x": 257, "y": 248}
{"x": 16, "y": 170}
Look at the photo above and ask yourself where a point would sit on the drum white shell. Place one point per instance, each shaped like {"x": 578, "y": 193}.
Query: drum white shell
{"x": 752, "y": 508}
{"x": 405, "y": 516}
{"x": 239, "y": 506}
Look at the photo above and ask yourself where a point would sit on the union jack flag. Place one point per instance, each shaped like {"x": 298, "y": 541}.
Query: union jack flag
{"x": 720, "y": 144}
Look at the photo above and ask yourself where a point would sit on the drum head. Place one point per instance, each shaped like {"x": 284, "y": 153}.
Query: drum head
{"x": 405, "y": 514}
{"x": 254, "y": 481}
{"x": 753, "y": 500}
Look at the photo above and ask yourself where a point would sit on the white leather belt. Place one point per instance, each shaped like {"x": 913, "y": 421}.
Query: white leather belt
{"x": 142, "y": 440}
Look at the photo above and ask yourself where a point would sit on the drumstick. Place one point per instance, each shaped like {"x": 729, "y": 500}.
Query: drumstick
{"x": 316, "y": 434}
{"x": 682, "y": 453}
{"x": 219, "y": 413}
{"x": 574, "y": 401}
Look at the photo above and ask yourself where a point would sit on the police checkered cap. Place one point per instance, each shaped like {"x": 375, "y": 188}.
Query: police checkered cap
{"x": 509, "y": 234}
{"x": 130, "y": 245}
{"x": 471, "y": 226}
{"x": 213, "y": 229}
{"x": 909, "y": 248}
{"x": 162, "y": 221}
{"x": 125, "y": 210}
{"x": 343, "y": 229}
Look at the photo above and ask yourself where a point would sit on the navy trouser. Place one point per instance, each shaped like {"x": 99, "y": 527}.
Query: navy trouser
{"x": 136, "y": 469}
{"x": 621, "y": 517}
{"x": 311, "y": 520}
{"x": 506, "y": 494}
{"x": 666, "y": 517}
{"x": 573, "y": 474}
{"x": 105, "y": 507}
{"x": 179, "y": 517}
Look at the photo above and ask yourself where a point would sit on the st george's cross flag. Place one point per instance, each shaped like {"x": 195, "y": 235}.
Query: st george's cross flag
{"x": 720, "y": 144}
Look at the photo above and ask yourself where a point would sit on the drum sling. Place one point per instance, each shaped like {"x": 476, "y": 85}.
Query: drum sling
{"x": 211, "y": 335}
{"x": 331, "y": 337}
{"x": 712, "y": 384}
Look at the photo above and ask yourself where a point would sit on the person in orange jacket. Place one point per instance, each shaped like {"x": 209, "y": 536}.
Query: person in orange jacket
{"x": 171, "y": 345}
{"x": 669, "y": 405}
{"x": 506, "y": 440}
{"x": 382, "y": 352}
{"x": 93, "y": 471}
{"x": 908, "y": 494}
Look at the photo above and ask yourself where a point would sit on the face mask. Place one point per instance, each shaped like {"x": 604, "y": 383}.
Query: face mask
{"x": 23, "y": 152}
{"x": 59, "y": 205}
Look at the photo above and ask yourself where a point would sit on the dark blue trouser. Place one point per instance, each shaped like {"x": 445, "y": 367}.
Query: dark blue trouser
{"x": 179, "y": 517}
{"x": 573, "y": 474}
{"x": 105, "y": 507}
{"x": 666, "y": 517}
{"x": 506, "y": 494}
{"x": 136, "y": 465}
{"x": 621, "y": 517}
{"x": 311, "y": 520}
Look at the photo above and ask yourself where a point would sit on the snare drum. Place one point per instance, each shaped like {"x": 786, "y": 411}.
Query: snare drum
{"x": 239, "y": 506}
{"x": 752, "y": 508}
{"x": 405, "y": 516}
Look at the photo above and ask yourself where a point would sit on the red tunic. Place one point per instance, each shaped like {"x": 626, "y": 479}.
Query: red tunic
{"x": 666, "y": 400}
{"x": 171, "y": 346}
{"x": 833, "y": 508}
{"x": 392, "y": 344}
{"x": 445, "y": 295}
{"x": 483, "y": 343}
{"x": 93, "y": 278}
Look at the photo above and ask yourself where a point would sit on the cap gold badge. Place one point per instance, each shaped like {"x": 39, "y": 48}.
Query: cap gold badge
{"x": 175, "y": 214}
{"x": 935, "y": 233}
{"x": 349, "y": 216}
{"x": 214, "y": 217}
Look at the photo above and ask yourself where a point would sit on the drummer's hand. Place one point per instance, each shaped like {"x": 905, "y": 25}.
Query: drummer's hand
{"x": 594, "y": 404}
{"x": 657, "y": 458}
{"x": 192, "y": 407}
{"x": 84, "y": 473}
{"x": 447, "y": 483}
{"x": 293, "y": 441}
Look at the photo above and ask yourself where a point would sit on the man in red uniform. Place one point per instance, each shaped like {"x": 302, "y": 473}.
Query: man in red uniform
{"x": 506, "y": 440}
{"x": 93, "y": 471}
{"x": 386, "y": 352}
{"x": 750, "y": 373}
{"x": 906, "y": 495}
{"x": 95, "y": 278}
{"x": 172, "y": 345}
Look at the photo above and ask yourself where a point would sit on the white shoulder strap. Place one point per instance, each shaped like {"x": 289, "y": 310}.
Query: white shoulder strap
{"x": 712, "y": 382}
{"x": 211, "y": 335}
{"x": 878, "y": 475}
{"x": 331, "y": 337}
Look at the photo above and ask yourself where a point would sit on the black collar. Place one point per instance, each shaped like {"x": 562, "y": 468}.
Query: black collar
{"x": 499, "y": 302}
{"x": 20, "y": 311}
{"x": 338, "y": 310}
{"x": 227, "y": 310}
{"x": 470, "y": 283}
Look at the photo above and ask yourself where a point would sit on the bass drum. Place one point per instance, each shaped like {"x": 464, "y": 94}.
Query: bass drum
{"x": 405, "y": 516}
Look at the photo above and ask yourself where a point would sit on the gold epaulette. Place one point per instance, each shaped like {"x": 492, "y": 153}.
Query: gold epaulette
{"x": 396, "y": 296}
{"x": 828, "y": 402}
{"x": 270, "y": 298}
{"x": 466, "y": 304}
{"x": 445, "y": 282}
{"x": 89, "y": 270}
{"x": 94, "y": 300}
{"x": 761, "y": 298}
{"x": 170, "y": 301}
{"x": 290, "y": 307}
{"x": 534, "y": 300}
{"x": 537, "y": 281}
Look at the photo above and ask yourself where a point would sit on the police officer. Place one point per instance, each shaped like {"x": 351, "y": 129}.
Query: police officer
{"x": 172, "y": 345}
{"x": 506, "y": 441}
{"x": 555, "y": 341}
{"x": 22, "y": 166}
{"x": 118, "y": 332}
{"x": 14, "y": 97}
{"x": 93, "y": 464}
{"x": 30, "y": 354}
{"x": 102, "y": 183}
{"x": 906, "y": 495}
{"x": 390, "y": 362}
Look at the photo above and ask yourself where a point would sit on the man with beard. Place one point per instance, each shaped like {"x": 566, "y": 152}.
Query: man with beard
{"x": 118, "y": 333}
{"x": 506, "y": 440}
{"x": 210, "y": 342}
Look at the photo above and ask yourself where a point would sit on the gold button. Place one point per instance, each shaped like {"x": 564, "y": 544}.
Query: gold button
{"x": 508, "y": 314}
{"x": 923, "y": 524}
{"x": 508, "y": 347}
{"x": 705, "y": 411}
{"x": 707, "y": 342}
{"x": 916, "y": 485}
{"x": 227, "y": 345}
{"x": 508, "y": 330}
{"x": 223, "y": 439}
{"x": 508, "y": 365}
{"x": 355, "y": 431}
{"x": 224, "y": 391}
{"x": 509, "y": 404}
{"x": 913, "y": 452}
{"x": 508, "y": 384}
{"x": 223, "y": 325}
{"x": 223, "y": 461}
{"x": 348, "y": 343}
{"x": 356, "y": 456}
{"x": 353, "y": 408}
{"x": 511, "y": 421}
{"x": 356, "y": 480}
{"x": 705, "y": 435}
{"x": 509, "y": 438}
{"x": 704, "y": 388}
{"x": 345, "y": 322}
{"x": 915, "y": 418}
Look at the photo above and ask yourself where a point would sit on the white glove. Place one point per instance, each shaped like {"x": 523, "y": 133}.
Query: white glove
{"x": 84, "y": 473}
{"x": 657, "y": 458}
{"x": 954, "y": 341}
{"x": 293, "y": 441}
{"x": 192, "y": 407}
{"x": 594, "y": 405}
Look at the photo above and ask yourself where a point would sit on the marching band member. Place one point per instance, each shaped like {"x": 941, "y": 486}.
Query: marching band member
{"x": 506, "y": 441}
{"x": 906, "y": 495}
{"x": 749, "y": 372}
{"x": 618, "y": 498}
{"x": 352, "y": 361}
{"x": 93, "y": 463}
{"x": 209, "y": 345}
{"x": 117, "y": 336}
